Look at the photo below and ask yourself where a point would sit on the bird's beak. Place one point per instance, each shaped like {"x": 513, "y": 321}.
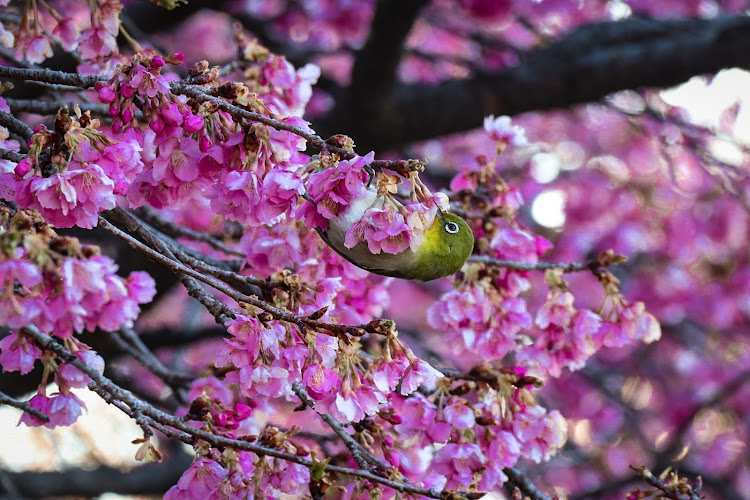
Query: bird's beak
{"x": 441, "y": 216}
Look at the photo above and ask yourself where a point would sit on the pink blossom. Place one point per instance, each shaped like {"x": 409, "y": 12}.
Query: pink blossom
{"x": 269, "y": 250}
{"x": 419, "y": 372}
{"x": 501, "y": 129}
{"x": 518, "y": 245}
{"x": 193, "y": 124}
{"x": 541, "y": 434}
{"x": 198, "y": 482}
{"x": 18, "y": 353}
{"x": 67, "y": 32}
{"x": 348, "y": 405}
{"x": 281, "y": 189}
{"x": 213, "y": 388}
{"x": 334, "y": 188}
{"x": 62, "y": 410}
{"x": 97, "y": 41}
{"x": 244, "y": 348}
{"x": 384, "y": 230}
{"x": 32, "y": 46}
{"x": 458, "y": 463}
{"x": 73, "y": 198}
{"x": 457, "y": 413}
{"x": 418, "y": 418}
{"x": 259, "y": 379}
{"x": 20, "y": 306}
{"x": 387, "y": 374}
{"x": 320, "y": 381}
{"x": 70, "y": 376}
{"x": 633, "y": 322}
{"x": 238, "y": 197}
{"x": 141, "y": 287}
{"x": 502, "y": 452}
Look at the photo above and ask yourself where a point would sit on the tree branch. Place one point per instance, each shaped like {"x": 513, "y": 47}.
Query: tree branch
{"x": 523, "y": 483}
{"x": 23, "y": 406}
{"x": 375, "y": 67}
{"x": 588, "y": 64}
{"x": 363, "y": 457}
{"x": 151, "y": 479}
{"x": 176, "y": 266}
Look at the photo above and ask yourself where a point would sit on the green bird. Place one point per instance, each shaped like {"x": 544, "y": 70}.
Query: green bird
{"x": 447, "y": 244}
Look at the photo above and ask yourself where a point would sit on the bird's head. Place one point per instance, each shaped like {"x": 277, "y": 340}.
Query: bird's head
{"x": 446, "y": 246}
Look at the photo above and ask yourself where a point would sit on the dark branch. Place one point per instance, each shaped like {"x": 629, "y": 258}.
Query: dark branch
{"x": 588, "y": 64}
{"x": 518, "y": 479}
{"x": 151, "y": 479}
{"x": 23, "y": 406}
{"x": 375, "y": 68}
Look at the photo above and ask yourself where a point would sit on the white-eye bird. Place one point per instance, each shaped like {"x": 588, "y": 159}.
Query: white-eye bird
{"x": 447, "y": 244}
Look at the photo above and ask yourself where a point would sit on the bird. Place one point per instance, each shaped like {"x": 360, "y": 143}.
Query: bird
{"x": 447, "y": 244}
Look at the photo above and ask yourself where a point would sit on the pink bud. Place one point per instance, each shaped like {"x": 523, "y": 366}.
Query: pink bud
{"x": 220, "y": 419}
{"x": 242, "y": 411}
{"x": 176, "y": 58}
{"x": 127, "y": 91}
{"x": 23, "y": 167}
{"x": 171, "y": 115}
{"x": 107, "y": 94}
{"x": 117, "y": 125}
{"x": 157, "y": 62}
{"x": 204, "y": 143}
{"x": 391, "y": 457}
{"x": 192, "y": 124}
{"x": 127, "y": 114}
{"x": 157, "y": 124}
{"x": 114, "y": 109}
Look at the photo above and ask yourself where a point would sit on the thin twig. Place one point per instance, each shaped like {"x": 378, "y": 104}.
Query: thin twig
{"x": 680, "y": 490}
{"x": 724, "y": 392}
{"x": 51, "y": 76}
{"x": 14, "y": 156}
{"x": 359, "y": 453}
{"x": 518, "y": 479}
{"x": 128, "y": 340}
{"x": 16, "y": 126}
{"x": 278, "y": 313}
{"x": 175, "y": 230}
{"x": 202, "y": 94}
{"x": 566, "y": 267}
{"x": 23, "y": 406}
{"x": 51, "y": 107}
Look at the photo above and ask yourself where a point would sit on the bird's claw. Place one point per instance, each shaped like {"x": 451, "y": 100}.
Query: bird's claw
{"x": 370, "y": 174}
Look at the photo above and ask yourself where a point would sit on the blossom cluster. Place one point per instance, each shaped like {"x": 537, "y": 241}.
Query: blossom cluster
{"x": 60, "y": 287}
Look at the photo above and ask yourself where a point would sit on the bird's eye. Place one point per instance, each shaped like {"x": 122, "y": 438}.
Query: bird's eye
{"x": 451, "y": 227}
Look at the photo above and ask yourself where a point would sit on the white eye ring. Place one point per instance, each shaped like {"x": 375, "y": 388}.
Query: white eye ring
{"x": 451, "y": 227}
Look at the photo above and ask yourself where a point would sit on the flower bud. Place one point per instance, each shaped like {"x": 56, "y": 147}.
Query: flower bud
{"x": 107, "y": 94}
{"x": 192, "y": 124}
{"x": 23, "y": 167}
{"x": 157, "y": 62}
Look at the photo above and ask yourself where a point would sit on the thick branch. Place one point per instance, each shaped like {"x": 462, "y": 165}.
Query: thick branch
{"x": 151, "y": 479}
{"x": 375, "y": 68}
{"x": 591, "y": 62}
